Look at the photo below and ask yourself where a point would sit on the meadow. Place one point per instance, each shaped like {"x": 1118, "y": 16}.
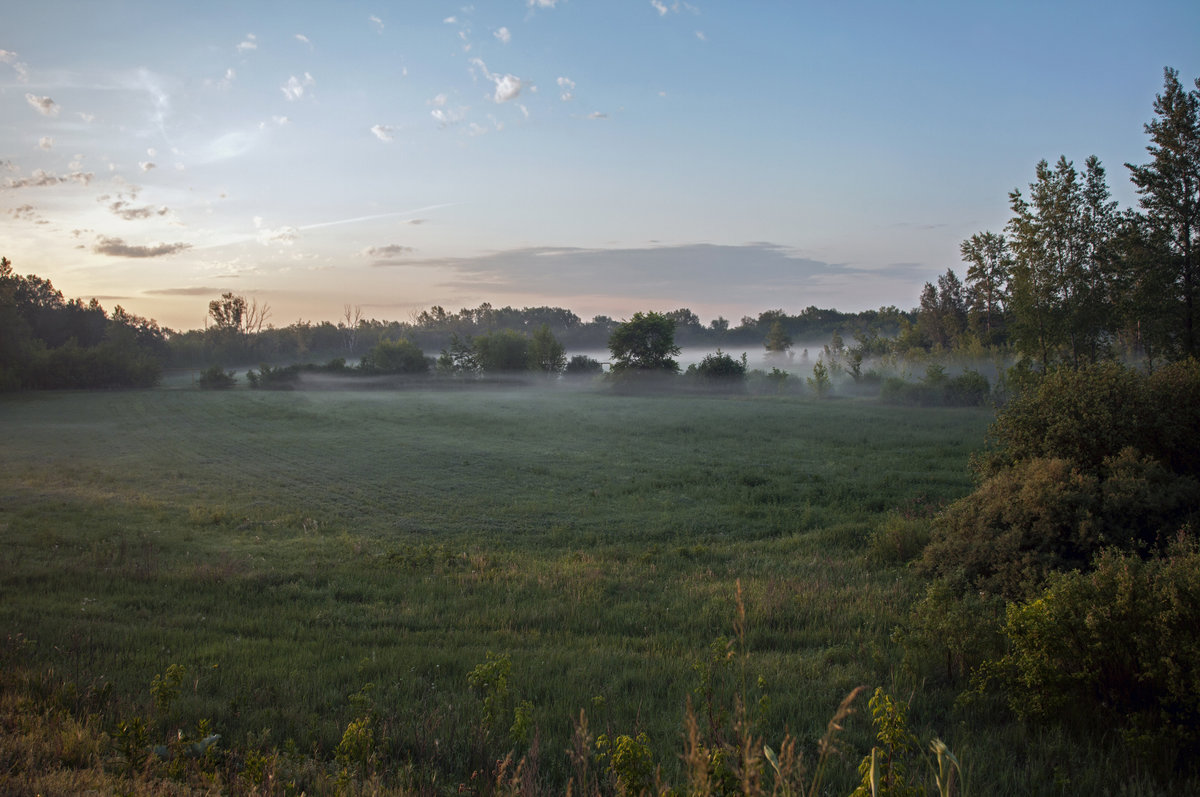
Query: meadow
{"x": 306, "y": 558}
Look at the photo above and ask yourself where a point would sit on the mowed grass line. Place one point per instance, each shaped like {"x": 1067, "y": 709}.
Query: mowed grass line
{"x": 290, "y": 548}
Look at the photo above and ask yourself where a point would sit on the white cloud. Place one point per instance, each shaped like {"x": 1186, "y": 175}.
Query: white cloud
{"x": 250, "y": 43}
{"x": 376, "y": 21}
{"x": 508, "y": 87}
{"x": 597, "y": 115}
{"x": 45, "y": 142}
{"x": 295, "y": 87}
{"x": 86, "y": 117}
{"x": 675, "y": 7}
{"x": 225, "y": 82}
{"x": 12, "y": 59}
{"x": 541, "y": 3}
{"x": 503, "y": 35}
{"x": 147, "y": 165}
{"x": 44, "y": 105}
{"x": 700, "y": 35}
{"x": 568, "y": 88}
{"x": 384, "y": 132}
{"x": 300, "y": 37}
{"x": 450, "y": 20}
{"x": 151, "y": 152}
{"x": 449, "y": 116}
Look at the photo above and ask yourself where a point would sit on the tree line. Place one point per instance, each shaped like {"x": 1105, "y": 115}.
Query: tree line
{"x": 1072, "y": 279}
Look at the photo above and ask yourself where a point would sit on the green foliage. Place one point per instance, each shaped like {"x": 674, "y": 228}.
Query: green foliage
{"x": 644, "y": 343}
{"x": 583, "y": 365}
{"x": 490, "y": 679}
{"x": 1116, "y": 647}
{"x": 395, "y": 357}
{"x": 936, "y": 389}
{"x": 546, "y": 354}
{"x": 216, "y": 378}
{"x": 356, "y": 750}
{"x": 885, "y": 771}
{"x": 820, "y": 382}
{"x": 778, "y": 340}
{"x": 458, "y": 358}
{"x": 1045, "y": 515}
{"x": 165, "y": 688}
{"x": 503, "y": 351}
{"x": 630, "y": 763}
{"x": 1169, "y": 188}
{"x": 719, "y": 370}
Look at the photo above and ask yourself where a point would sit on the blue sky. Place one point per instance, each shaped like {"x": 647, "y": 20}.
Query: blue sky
{"x": 609, "y": 157}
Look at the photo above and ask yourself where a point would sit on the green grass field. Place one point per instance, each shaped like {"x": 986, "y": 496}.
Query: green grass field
{"x": 311, "y": 556}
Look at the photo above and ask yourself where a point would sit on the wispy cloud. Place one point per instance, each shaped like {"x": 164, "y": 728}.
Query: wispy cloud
{"x": 389, "y": 255}
{"x": 197, "y": 291}
{"x": 503, "y": 35}
{"x": 376, "y": 21}
{"x": 541, "y": 3}
{"x": 13, "y": 60}
{"x": 567, "y": 87}
{"x": 24, "y": 213}
{"x": 42, "y": 179}
{"x": 754, "y": 272}
{"x": 295, "y": 87}
{"x": 300, "y": 37}
{"x": 247, "y": 44}
{"x": 444, "y": 114}
{"x": 116, "y": 247}
{"x": 123, "y": 207}
{"x": 385, "y": 133}
{"x": 43, "y": 105}
{"x": 45, "y": 142}
{"x": 147, "y": 165}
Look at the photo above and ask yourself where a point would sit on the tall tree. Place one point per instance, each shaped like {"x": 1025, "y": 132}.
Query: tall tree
{"x": 1170, "y": 192}
{"x": 1061, "y": 244}
{"x": 986, "y": 254}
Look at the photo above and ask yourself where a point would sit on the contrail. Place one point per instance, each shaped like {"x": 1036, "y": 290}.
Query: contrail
{"x": 409, "y": 212}
{"x": 376, "y": 216}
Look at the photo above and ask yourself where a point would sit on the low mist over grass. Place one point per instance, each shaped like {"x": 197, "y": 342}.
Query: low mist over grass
{"x": 291, "y": 550}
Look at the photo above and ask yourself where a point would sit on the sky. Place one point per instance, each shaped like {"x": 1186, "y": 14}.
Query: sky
{"x": 607, "y": 156}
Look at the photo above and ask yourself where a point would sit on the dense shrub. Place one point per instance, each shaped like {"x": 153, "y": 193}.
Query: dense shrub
{"x": 1118, "y": 647}
{"x": 583, "y": 365}
{"x": 395, "y": 357}
{"x": 1082, "y": 416}
{"x": 1046, "y": 515}
{"x": 719, "y": 370}
{"x": 216, "y": 378}
{"x": 936, "y": 389}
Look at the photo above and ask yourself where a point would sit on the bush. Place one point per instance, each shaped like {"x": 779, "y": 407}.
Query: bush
{"x": 1118, "y": 647}
{"x": 216, "y": 378}
{"x": 278, "y": 378}
{"x": 582, "y": 365}
{"x": 719, "y": 370}
{"x": 1082, "y": 416}
{"x": 968, "y": 389}
{"x": 395, "y": 357}
{"x": 1045, "y": 515}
